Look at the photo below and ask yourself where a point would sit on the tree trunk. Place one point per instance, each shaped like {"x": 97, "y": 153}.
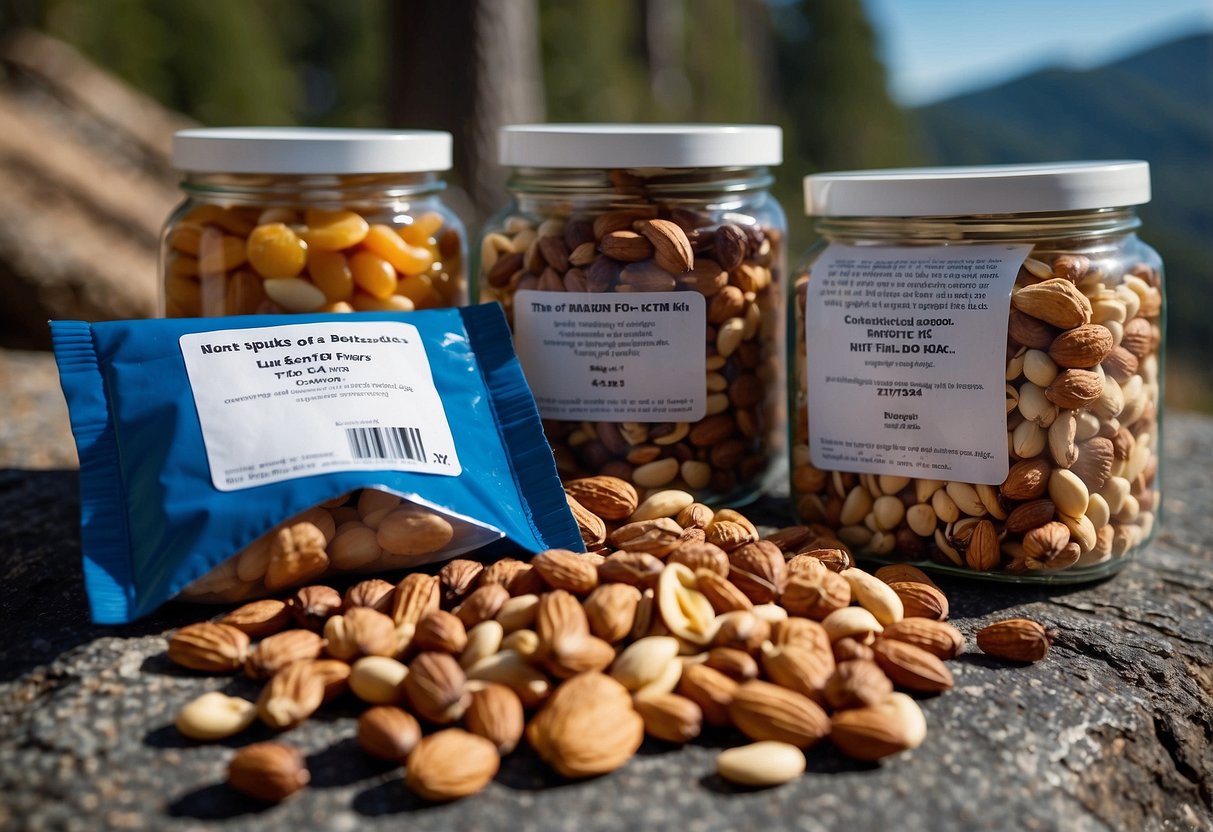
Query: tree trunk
{"x": 469, "y": 67}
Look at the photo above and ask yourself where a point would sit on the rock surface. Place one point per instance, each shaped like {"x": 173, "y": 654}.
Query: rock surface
{"x": 1113, "y": 730}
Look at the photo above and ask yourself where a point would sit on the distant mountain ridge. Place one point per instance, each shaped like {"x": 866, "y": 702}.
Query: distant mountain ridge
{"x": 1156, "y": 105}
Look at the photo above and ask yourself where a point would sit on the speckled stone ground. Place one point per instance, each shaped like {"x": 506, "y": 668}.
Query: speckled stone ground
{"x": 1113, "y": 731}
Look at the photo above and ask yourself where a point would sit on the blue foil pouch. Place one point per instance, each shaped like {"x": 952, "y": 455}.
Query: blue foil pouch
{"x": 215, "y": 452}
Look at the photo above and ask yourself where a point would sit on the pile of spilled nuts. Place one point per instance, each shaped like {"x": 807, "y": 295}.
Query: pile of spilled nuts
{"x": 683, "y": 620}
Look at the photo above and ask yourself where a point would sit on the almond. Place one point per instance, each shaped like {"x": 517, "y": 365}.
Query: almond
{"x": 311, "y": 606}
{"x": 436, "y": 688}
{"x": 757, "y": 569}
{"x": 625, "y": 246}
{"x": 278, "y": 651}
{"x": 1094, "y": 464}
{"x": 209, "y": 647}
{"x": 912, "y": 667}
{"x": 817, "y": 595}
{"x": 800, "y": 631}
{"x": 736, "y": 664}
{"x": 388, "y": 733}
{"x": 741, "y": 630}
{"x": 1082, "y": 347}
{"x": 495, "y": 713}
{"x": 727, "y": 534}
{"x": 268, "y": 771}
{"x": 608, "y": 497}
{"x": 731, "y": 245}
{"x": 293, "y": 695}
{"x": 1030, "y": 332}
{"x": 560, "y": 616}
{"x": 360, "y": 632}
{"x": 834, "y": 559}
{"x": 671, "y": 248}
{"x": 457, "y": 577}
{"x": 798, "y": 668}
{"x": 1029, "y": 515}
{"x": 296, "y": 555}
{"x": 922, "y": 600}
{"x": 374, "y": 593}
{"x": 1120, "y": 364}
{"x": 591, "y": 526}
{"x": 670, "y": 717}
{"x": 482, "y": 604}
{"x": 1075, "y": 389}
{"x": 657, "y": 537}
{"x": 501, "y": 572}
{"x": 416, "y": 597}
{"x": 258, "y": 619}
{"x": 1055, "y": 301}
{"x": 588, "y": 727}
{"x": 334, "y": 675}
{"x": 696, "y": 555}
{"x": 570, "y": 655}
{"x": 721, "y": 593}
{"x": 710, "y": 689}
{"x": 857, "y": 684}
{"x": 441, "y": 632}
{"x": 763, "y": 711}
{"x": 852, "y": 622}
{"x": 874, "y": 732}
{"x": 451, "y": 764}
{"x": 936, "y": 637}
{"x": 1027, "y": 479}
{"x": 895, "y": 572}
{"x": 983, "y": 553}
{"x": 637, "y": 569}
{"x": 611, "y": 611}
{"x": 1015, "y": 639}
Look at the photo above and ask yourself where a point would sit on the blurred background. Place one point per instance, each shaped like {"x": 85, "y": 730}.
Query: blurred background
{"x": 90, "y": 93}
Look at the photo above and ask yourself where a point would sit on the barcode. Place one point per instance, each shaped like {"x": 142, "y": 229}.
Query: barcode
{"x": 386, "y": 443}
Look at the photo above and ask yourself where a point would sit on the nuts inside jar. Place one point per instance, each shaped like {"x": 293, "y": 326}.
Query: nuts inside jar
{"x": 1082, "y": 389}
{"x": 262, "y": 259}
{"x": 642, "y": 242}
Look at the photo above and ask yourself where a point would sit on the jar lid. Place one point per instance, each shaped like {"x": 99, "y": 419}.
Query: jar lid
{"x": 640, "y": 145}
{"x": 987, "y": 189}
{"x": 303, "y": 150}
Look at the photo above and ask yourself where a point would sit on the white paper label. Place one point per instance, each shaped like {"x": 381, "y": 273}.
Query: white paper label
{"x": 291, "y": 401}
{"x": 613, "y": 357}
{"x": 906, "y": 358}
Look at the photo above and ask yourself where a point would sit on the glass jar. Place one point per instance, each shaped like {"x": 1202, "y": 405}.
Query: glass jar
{"x": 642, "y": 270}
{"x": 311, "y": 220}
{"x": 977, "y": 368}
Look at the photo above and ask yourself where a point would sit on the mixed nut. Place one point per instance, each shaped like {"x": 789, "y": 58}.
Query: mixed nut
{"x": 365, "y": 531}
{"x": 1082, "y": 398}
{"x": 642, "y": 243}
{"x": 681, "y": 618}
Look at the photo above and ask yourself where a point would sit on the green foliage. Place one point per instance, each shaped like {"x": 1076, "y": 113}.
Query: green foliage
{"x": 232, "y": 62}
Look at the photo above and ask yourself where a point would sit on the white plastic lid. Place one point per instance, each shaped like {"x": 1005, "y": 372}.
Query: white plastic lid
{"x": 640, "y": 145}
{"x": 310, "y": 150}
{"x": 990, "y": 189}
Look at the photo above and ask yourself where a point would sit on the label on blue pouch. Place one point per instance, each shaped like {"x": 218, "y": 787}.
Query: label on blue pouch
{"x": 282, "y": 402}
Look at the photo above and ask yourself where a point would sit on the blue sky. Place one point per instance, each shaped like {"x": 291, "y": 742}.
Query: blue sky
{"x": 934, "y": 49}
